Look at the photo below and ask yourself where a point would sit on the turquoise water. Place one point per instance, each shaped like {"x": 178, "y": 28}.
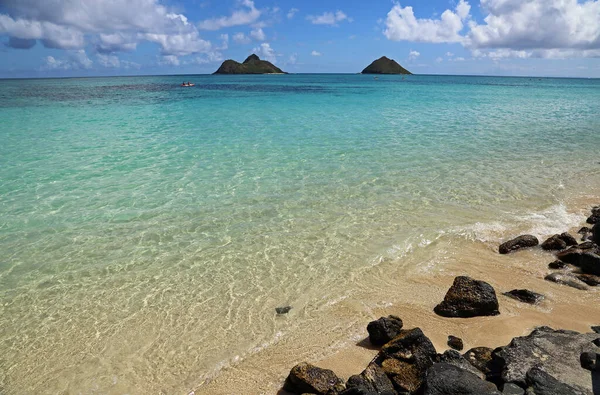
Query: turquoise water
{"x": 148, "y": 231}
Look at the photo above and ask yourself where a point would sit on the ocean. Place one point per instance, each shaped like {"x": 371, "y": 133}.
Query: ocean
{"x": 148, "y": 231}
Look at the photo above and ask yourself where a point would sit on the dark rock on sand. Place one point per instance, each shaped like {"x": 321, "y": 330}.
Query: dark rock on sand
{"x": 518, "y": 243}
{"x": 306, "y": 378}
{"x": 481, "y": 358}
{"x": 558, "y": 265}
{"x": 589, "y": 279}
{"x": 406, "y": 358}
{"x": 525, "y": 296}
{"x": 446, "y": 379}
{"x": 567, "y": 238}
{"x": 557, "y": 352}
{"x": 584, "y": 232}
{"x": 512, "y": 389}
{"x": 384, "y": 329}
{"x": 385, "y": 65}
{"x": 540, "y": 382}
{"x": 595, "y": 217}
{"x": 554, "y": 243}
{"x": 567, "y": 279}
{"x": 468, "y": 298}
{"x": 455, "y": 343}
{"x": 596, "y": 234}
{"x": 453, "y": 357}
{"x": 596, "y": 329}
{"x": 372, "y": 381}
{"x": 283, "y": 310}
{"x": 589, "y": 361}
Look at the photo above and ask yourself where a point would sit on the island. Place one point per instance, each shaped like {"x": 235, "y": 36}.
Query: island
{"x": 252, "y": 65}
{"x": 385, "y": 65}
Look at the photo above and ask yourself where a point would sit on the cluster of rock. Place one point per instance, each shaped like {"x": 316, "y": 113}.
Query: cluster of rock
{"x": 252, "y": 65}
{"x": 546, "y": 362}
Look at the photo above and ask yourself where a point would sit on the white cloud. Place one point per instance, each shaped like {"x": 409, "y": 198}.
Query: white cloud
{"x": 75, "y": 60}
{"x": 110, "y": 61}
{"x": 413, "y": 55}
{"x": 316, "y": 53}
{"x": 241, "y": 38}
{"x": 439, "y": 60}
{"x": 210, "y": 57}
{"x": 112, "y": 25}
{"x": 249, "y": 14}
{"x": 169, "y": 60}
{"x": 449, "y": 54}
{"x": 224, "y": 42}
{"x": 292, "y": 12}
{"x": 258, "y": 35}
{"x": 265, "y": 51}
{"x": 293, "y": 58}
{"x": 402, "y": 25}
{"x": 329, "y": 18}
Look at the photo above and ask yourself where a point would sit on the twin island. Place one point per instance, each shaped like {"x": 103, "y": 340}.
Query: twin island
{"x": 254, "y": 65}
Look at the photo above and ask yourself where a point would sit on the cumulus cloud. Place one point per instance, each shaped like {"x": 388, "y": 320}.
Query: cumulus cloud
{"x": 241, "y": 38}
{"x": 316, "y": 53}
{"x": 413, "y": 55}
{"x": 265, "y": 51}
{"x": 112, "y": 26}
{"x": 402, "y": 25}
{"x": 20, "y": 43}
{"x": 258, "y": 35}
{"x": 169, "y": 60}
{"x": 75, "y": 60}
{"x": 329, "y": 18}
{"x": 292, "y": 12}
{"x": 246, "y": 15}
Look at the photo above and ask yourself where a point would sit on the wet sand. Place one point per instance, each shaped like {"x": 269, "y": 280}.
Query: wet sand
{"x": 335, "y": 336}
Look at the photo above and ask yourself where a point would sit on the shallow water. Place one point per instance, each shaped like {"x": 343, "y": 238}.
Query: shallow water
{"x": 148, "y": 231}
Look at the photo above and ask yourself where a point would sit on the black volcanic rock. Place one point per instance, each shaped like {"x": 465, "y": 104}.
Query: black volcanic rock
{"x": 554, "y": 243}
{"x": 525, "y": 296}
{"x": 385, "y": 65}
{"x": 372, "y": 381}
{"x": 468, "y": 298}
{"x": 446, "y": 379}
{"x": 455, "y": 343}
{"x": 524, "y": 241}
{"x": 252, "y": 65}
{"x": 384, "y": 329}
{"x": 306, "y": 378}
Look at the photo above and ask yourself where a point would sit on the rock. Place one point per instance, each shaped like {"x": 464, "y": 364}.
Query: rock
{"x": 453, "y": 357}
{"x": 554, "y": 243}
{"x": 481, "y": 358}
{"x": 557, "y": 265}
{"x": 596, "y": 233}
{"x": 540, "y": 382}
{"x": 589, "y": 279}
{"x": 512, "y": 389}
{"x": 557, "y": 352}
{"x": 567, "y": 238}
{"x": 446, "y": 379}
{"x": 468, "y": 298}
{"x": 372, "y": 381}
{"x": 589, "y": 361}
{"x": 384, "y": 329}
{"x": 252, "y": 65}
{"x": 584, "y": 233}
{"x": 593, "y": 219}
{"x": 306, "y": 378}
{"x": 525, "y": 296}
{"x": 283, "y": 310}
{"x": 567, "y": 279}
{"x": 518, "y": 243}
{"x": 406, "y": 358}
{"x": 589, "y": 263}
{"x": 455, "y": 342}
{"x": 596, "y": 329}
{"x": 384, "y": 65}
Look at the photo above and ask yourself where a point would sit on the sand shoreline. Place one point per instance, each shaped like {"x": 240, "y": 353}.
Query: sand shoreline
{"x": 343, "y": 349}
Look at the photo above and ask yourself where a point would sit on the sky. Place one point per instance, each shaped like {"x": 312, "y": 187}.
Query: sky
{"x": 65, "y": 38}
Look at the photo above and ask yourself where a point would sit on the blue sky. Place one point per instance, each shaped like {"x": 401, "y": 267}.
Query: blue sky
{"x": 41, "y": 38}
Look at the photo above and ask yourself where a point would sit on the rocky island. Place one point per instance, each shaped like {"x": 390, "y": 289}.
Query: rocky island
{"x": 385, "y": 65}
{"x": 252, "y": 65}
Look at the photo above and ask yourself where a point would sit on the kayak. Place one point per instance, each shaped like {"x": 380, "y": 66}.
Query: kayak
{"x": 188, "y": 85}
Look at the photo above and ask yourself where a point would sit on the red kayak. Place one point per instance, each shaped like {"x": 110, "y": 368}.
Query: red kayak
{"x": 188, "y": 85}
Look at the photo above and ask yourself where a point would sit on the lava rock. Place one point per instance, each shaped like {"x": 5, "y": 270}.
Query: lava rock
{"x": 589, "y": 279}
{"x": 446, "y": 379}
{"x": 283, "y": 310}
{"x": 406, "y": 358}
{"x": 557, "y": 265}
{"x": 589, "y": 263}
{"x": 453, "y": 357}
{"x": 567, "y": 279}
{"x": 557, "y": 352}
{"x": 596, "y": 329}
{"x": 512, "y": 389}
{"x": 480, "y": 358}
{"x": 372, "y": 381}
{"x": 306, "y": 378}
{"x": 567, "y": 238}
{"x": 455, "y": 343}
{"x": 596, "y": 234}
{"x": 384, "y": 329}
{"x": 554, "y": 243}
{"x": 540, "y": 382}
{"x": 584, "y": 232}
{"x": 524, "y": 241}
{"x": 593, "y": 219}
{"x": 468, "y": 298}
{"x": 589, "y": 360}
{"x": 525, "y": 296}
